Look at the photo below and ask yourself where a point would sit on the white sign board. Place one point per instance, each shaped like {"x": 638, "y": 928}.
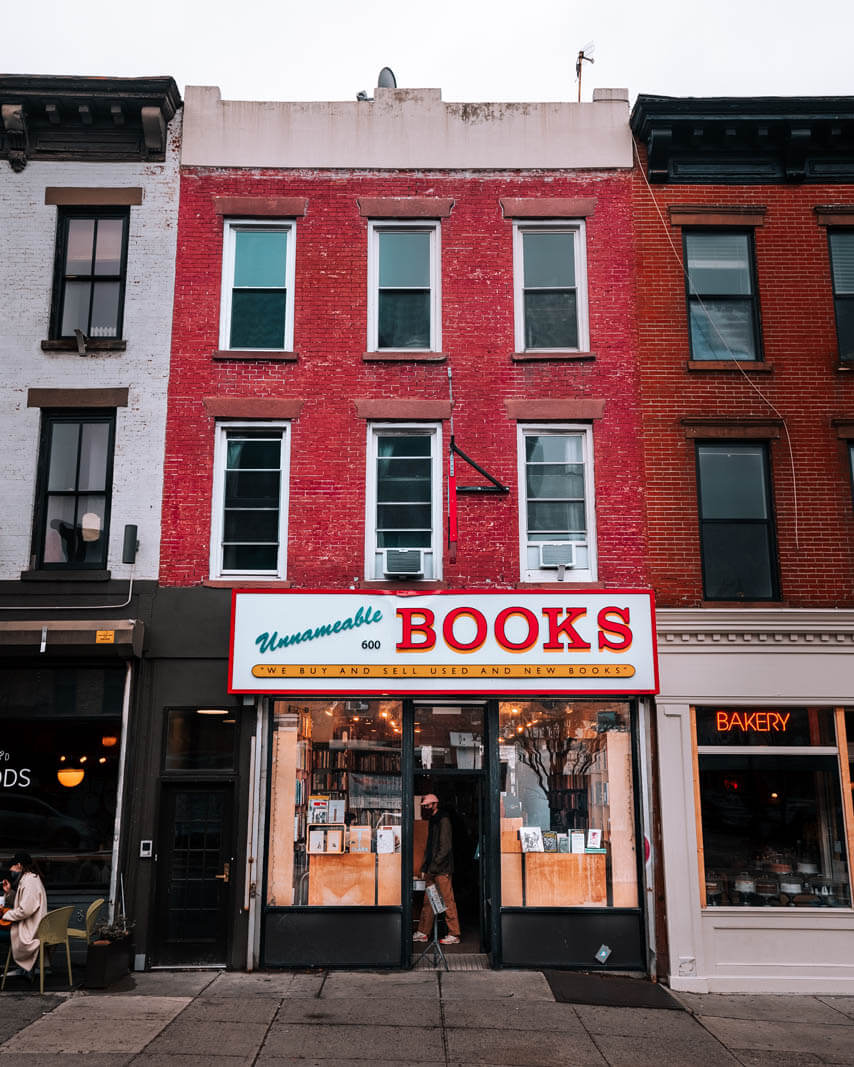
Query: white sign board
{"x": 473, "y": 643}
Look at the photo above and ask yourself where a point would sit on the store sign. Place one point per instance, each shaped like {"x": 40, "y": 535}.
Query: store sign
{"x": 557, "y": 642}
{"x": 745, "y": 722}
{"x": 13, "y": 777}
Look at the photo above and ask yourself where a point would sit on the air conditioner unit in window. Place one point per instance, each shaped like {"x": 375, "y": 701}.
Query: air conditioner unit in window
{"x": 404, "y": 563}
{"x": 557, "y": 554}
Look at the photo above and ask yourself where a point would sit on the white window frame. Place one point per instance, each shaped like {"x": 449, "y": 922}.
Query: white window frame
{"x": 433, "y": 228}
{"x": 218, "y": 497}
{"x": 573, "y": 574}
{"x": 229, "y": 244}
{"x": 578, "y": 229}
{"x": 376, "y": 430}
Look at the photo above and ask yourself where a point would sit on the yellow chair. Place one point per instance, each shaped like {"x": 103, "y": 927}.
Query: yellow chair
{"x": 85, "y": 933}
{"x": 53, "y": 930}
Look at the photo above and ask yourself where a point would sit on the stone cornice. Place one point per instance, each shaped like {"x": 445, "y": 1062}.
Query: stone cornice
{"x": 757, "y": 629}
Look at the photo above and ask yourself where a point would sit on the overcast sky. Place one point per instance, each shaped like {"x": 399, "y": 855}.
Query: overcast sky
{"x": 470, "y": 49}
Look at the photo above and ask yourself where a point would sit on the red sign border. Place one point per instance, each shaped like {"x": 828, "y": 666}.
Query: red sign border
{"x": 413, "y": 693}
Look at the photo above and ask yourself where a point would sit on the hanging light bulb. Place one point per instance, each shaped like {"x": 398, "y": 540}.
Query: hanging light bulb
{"x": 70, "y": 776}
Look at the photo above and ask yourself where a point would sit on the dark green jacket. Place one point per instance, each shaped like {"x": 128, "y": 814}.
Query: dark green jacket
{"x": 439, "y": 853}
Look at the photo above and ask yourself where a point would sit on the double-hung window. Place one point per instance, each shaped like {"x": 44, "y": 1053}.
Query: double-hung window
{"x": 550, "y": 280}
{"x": 842, "y": 266}
{"x": 556, "y": 512}
{"x": 404, "y": 502}
{"x": 736, "y": 522}
{"x": 723, "y": 310}
{"x": 72, "y": 515}
{"x": 250, "y": 500}
{"x": 90, "y": 273}
{"x": 257, "y": 306}
{"x": 403, "y": 286}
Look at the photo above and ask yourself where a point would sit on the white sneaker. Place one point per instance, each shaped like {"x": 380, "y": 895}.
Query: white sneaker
{"x": 449, "y": 939}
{"x": 418, "y": 936}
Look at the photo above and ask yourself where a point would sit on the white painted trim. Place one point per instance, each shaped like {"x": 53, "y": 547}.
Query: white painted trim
{"x": 576, "y": 574}
{"x": 374, "y": 430}
{"x": 579, "y": 231}
{"x": 231, "y": 227}
{"x": 218, "y": 497}
{"x": 434, "y": 229}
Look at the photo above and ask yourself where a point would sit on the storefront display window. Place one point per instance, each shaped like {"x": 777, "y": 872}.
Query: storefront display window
{"x": 772, "y": 829}
{"x": 567, "y": 804}
{"x": 60, "y": 745}
{"x": 335, "y": 809}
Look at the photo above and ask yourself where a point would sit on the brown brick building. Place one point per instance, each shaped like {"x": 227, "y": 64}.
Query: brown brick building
{"x": 744, "y": 223}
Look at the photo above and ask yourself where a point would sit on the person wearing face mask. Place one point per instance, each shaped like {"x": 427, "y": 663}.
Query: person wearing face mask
{"x": 437, "y": 869}
{"x": 27, "y": 911}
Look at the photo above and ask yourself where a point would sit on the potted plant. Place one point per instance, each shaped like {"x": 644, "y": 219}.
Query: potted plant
{"x": 110, "y": 952}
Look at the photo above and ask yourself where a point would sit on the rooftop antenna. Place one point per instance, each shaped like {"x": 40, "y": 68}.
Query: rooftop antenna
{"x": 586, "y": 53}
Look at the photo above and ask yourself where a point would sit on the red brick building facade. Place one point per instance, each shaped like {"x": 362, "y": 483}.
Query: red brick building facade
{"x": 355, "y": 284}
{"x": 330, "y": 371}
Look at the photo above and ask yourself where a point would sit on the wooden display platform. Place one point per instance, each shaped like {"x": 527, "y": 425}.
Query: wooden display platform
{"x": 553, "y": 880}
{"x": 354, "y": 879}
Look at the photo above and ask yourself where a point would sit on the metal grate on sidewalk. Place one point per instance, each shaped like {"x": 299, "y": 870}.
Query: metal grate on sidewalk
{"x": 458, "y": 961}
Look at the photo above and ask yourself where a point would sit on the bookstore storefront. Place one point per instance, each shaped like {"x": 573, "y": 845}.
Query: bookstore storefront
{"x": 518, "y": 711}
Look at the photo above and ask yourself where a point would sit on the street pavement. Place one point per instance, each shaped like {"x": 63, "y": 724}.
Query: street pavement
{"x": 418, "y": 1019}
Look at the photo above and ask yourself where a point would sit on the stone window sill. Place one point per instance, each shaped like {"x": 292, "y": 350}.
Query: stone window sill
{"x": 65, "y": 576}
{"x": 243, "y": 354}
{"x": 730, "y": 365}
{"x": 404, "y": 356}
{"x": 92, "y": 345}
{"x": 246, "y": 583}
{"x": 553, "y": 354}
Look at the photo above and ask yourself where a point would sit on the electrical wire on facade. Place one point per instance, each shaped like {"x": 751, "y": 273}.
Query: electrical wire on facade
{"x": 699, "y": 300}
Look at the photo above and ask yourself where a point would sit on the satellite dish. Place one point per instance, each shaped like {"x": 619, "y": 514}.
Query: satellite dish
{"x": 386, "y": 79}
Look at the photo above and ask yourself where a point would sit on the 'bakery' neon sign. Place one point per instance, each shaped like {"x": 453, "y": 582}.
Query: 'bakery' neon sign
{"x": 760, "y": 722}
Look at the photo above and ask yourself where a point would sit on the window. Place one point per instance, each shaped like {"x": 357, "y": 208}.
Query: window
{"x": 404, "y": 503}
{"x": 736, "y": 522}
{"x": 250, "y": 500}
{"x": 336, "y": 794}
{"x": 567, "y": 804}
{"x": 773, "y": 832}
{"x": 257, "y": 307}
{"x": 842, "y": 267}
{"x": 550, "y": 287}
{"x": 556, "y": 514}
{"x": 722, "y": 306}
{"x": 89, "y": 282}
{"x": 403, "y": 287}
{"x": 74, "y": 486}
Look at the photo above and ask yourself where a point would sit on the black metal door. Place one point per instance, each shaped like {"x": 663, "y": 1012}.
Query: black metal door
{"x": 195, "y": 859}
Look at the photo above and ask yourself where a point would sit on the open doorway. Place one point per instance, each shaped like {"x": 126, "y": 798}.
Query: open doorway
{"x": 461, "y": 799}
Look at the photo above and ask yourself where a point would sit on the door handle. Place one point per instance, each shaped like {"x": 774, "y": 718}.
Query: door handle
{"x": 226, "y": 874}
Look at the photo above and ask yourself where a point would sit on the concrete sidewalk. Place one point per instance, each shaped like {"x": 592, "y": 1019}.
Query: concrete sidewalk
{"x": 420, "y": 1019}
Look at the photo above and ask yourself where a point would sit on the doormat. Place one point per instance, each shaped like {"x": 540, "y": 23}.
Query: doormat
{"x": 609, "y": 990}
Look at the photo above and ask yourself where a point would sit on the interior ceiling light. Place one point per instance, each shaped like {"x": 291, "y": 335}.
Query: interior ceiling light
{"x": 103, "y": 759}
{"x": 70, "y": 776}
{"x": 109, "y": 741}
{"x": 211, "y": 711}
{"x": 224, "y": 721}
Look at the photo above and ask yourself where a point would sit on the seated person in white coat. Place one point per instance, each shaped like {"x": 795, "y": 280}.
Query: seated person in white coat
{"x": 28, "y": 909}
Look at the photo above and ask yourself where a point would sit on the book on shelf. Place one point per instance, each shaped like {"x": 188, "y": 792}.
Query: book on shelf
{"x": 335, "y": 840}
{"x": 388, "y": 839}
{"x": 549, "y": 841}
{"x": 576, "y": 841}
{"x": 360, "y": 839}
{"x": 337, "y": 809}
{"x": 318, "y": 809}
{"x": 594, "y": 838}
{"x": 531, "y": 838}
{"x": 316, "y": 841}
{"x": 563, "y": 842}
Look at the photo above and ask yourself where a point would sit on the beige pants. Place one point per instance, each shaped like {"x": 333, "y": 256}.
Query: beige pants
{"x": 443, "y": 884}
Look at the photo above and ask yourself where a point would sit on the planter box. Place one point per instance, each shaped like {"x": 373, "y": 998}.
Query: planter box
{"x": 107, "y": 962}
